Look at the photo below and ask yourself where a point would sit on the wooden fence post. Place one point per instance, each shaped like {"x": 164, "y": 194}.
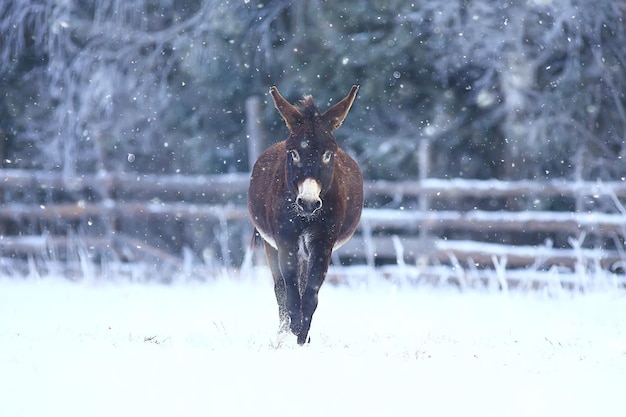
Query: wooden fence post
{"x": 424, "y": 169}
{"x": 254, "y": 129}
{"x": 423, "y": 156}
{"x": 423, "y": 150}
{"x": 578, "y": 177}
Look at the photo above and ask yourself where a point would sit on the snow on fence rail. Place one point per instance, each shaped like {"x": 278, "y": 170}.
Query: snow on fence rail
{"x": 409, "y": 236}
{"x": 225, "y": 185}
{"x": 495, "y": 188}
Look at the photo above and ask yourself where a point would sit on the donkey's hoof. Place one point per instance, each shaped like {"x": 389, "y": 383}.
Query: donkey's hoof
{"x": 302, "y": 339}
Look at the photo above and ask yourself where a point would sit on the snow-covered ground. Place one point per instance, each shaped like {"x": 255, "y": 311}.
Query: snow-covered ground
{"x": 105, "y": 348}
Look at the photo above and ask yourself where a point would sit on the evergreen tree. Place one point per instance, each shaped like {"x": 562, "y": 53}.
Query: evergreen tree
{"x": 502, "y": 89}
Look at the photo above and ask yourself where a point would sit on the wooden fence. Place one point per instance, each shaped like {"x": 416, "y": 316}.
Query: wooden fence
{"x": 469, "y": 226}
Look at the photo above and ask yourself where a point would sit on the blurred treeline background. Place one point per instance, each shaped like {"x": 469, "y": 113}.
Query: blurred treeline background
{"x": 503, "y": 89}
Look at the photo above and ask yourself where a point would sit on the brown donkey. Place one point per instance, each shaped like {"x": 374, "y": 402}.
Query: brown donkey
{"x": 305, "y": 200}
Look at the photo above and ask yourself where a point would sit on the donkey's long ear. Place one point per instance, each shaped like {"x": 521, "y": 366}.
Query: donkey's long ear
{"x": 289, "y": 112}
{"x": 336, "y": 114}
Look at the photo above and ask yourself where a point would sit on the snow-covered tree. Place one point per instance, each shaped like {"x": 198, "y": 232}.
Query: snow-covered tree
{"x": 509, "y": 89}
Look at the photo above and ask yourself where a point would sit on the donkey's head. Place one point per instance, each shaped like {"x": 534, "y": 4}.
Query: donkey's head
{"x": 311, "y": 148}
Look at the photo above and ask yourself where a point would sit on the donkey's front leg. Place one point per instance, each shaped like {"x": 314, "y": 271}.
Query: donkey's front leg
{"x": 318, "y": 265}
{"x": 288, "y": 261}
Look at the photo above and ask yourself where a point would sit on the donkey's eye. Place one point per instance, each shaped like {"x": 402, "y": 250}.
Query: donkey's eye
{"x": 295, "y": 156}
{"x": 328, "y": 155}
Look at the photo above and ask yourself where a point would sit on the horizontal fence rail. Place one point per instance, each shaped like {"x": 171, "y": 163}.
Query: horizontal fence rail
{"x": 111, "y": 208}
{"x": 527, "y": 221}
{"x": 230, "y": 184}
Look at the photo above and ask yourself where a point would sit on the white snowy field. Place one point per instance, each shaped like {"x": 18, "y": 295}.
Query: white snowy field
{"x": 105, "y": 348}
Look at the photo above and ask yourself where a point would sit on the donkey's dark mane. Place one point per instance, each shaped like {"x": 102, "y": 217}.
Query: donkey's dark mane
{"x": 308, "y": 109}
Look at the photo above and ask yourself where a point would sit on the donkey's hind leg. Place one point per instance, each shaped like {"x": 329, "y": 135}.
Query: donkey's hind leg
{"x": 279, "y": 287}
